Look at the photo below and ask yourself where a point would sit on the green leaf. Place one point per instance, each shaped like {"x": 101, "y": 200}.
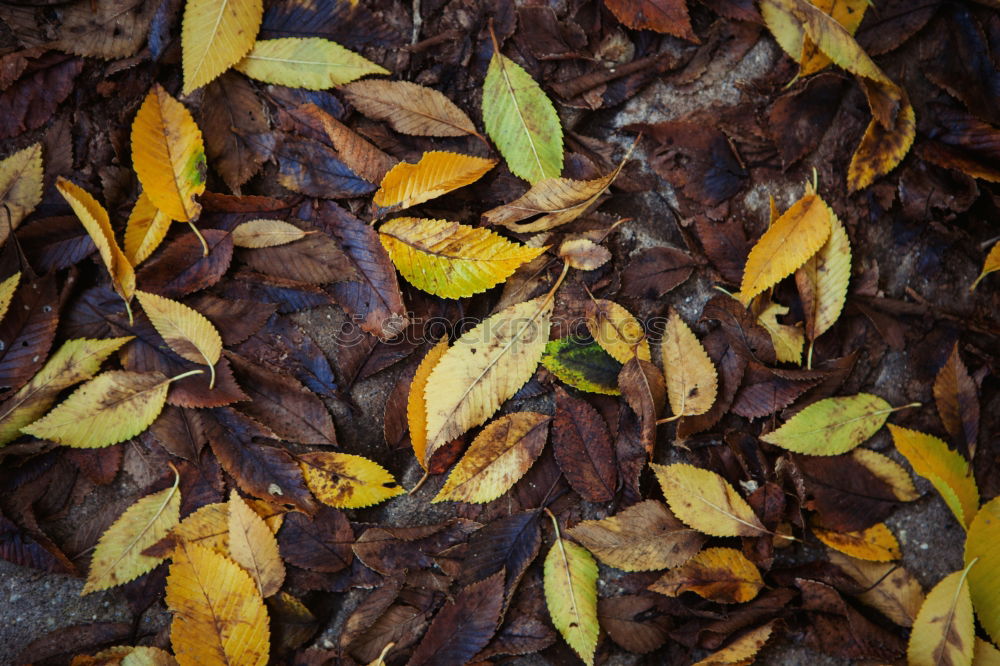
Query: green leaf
{"x": 586, "y": 367}
{"x": 570, "y": 577}
{"x": 832, "y": 426}
{"x": 521, "y": 121}
{"x": 307, "y": 62}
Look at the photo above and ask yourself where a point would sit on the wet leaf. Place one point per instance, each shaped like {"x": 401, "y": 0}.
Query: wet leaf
{"x": 265, "y": 233}
{"x": 437, "y": 173}
{"x": 586, "y": 367}
{"x": 822, "y": 281}
{"x": 616, "y": 330}
{"x": 449, "y": 259}
{"x": 253, "y": 546}
{"x": 216, "y": 34}
{"x": 582, "y": 447}
{"x": 944, "y": 631}
{"x": 571, "y": 596}
{"x": 832, "y": 426}
{"x": 666, "y": 16}
{"x": 464, "y": 626}
{"x": 691, "y": 380}
{"x": 655, "y": 271}
{"x": 705, "y": 501}
{"x": 305, "y": 62}
{"x": 347, "y": 481}
{"x": 723, "y": 575}
{"x": 981, "y": 543}
{"x": 186, "y": 331}
{"x": 20, "y": 186}
{"x": 497, "y": 458}
{"x": 876, "y": 543}
{"x": 409, "y": 108}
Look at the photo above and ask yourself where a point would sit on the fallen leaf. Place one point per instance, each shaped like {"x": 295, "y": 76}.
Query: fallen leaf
{"x": 616, "y": 330}
{"x": 507, "y": 544}
{"x": 409, "y": 108}
{"x": 888, "y": 471}
{"x": 521, "y": 120}
{"x": 881, "y": 149}
{"x": 416, "y": 407}
{"x": 723, "y": 575}
{"x": 437, "y": 173}
{"x": 464, "y": 626}
{"x": 265, "y": 233}
{"x": 305, "y": 62}
{"x": 361, "y": 156}
{"x": 643, "y": 537}
{"x": 876, "y": 543}
{"x": 319, "y": 543}
{"x": 947, "y": 471}
{"x": 643, "y": 388}
{"x": 219, "y": 616}
{"x": 316, "y": 170}
{"x": 691, "y": 380}
{"x": 449, "y": 259}
{"x": 846, "y": 496}
{"x": 347, "y": 481}
{"x": 27, "y": 332}
{"x": 104, "y": 31}
{"x": 586, "y": 367}
{"x": 652, "y": 273}
{"x": 990, "y": 264}
{"x": 743, "y": 650}
{"x": 847, "y": 13}
{"x": 118, "y": 557}
{"x": 7, "y": 289}
{"x": 146, "y": 228}
{"x": 957, "y": 401}
{"x": 215, "y": 35}
{"x": 822, "y": 281}
{"x": 31, "y": 101}
{"x": 637, "y": 622}
{"x": 20, "y": 186}
{"x": 788, "y": 340}
{"x": 666, "y": 16}
{"x": 832, "y": 426}
{"x": 497, "y": 458}
{"x": 980, "y": 548}
{"x": 571, "y": 595}
{"x": 582, "y": 446}
{"x": 584, "y": 254}
{"x": 944, "y": 631}
{"x": 886, "y": 587}
{"x": 253, "y": 546}
{"x": 315, "y": 258}
{"x": 985, "y": 654}
{"x": 182, "y": 267}
{"x": 237, "y": 137}
{"x": 705, "y": 501}
{"x": 789, "y": 242}
{"x": 186, "y": 331}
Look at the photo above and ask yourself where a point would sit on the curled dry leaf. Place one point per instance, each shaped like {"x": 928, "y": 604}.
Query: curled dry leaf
{"x": 409, "y": 108}
{"x": 822, "y": 281}
{"x": 265, "y": 233}
{"x": 691, "y": 380}
{"x": 20, "y": 186}
{"x": 215, "y": 35}
{"x": 449, "y": 259}
{"x": 723, "y": 575}
{"x": 616, "y": 330}
{"x": 944, "y": 631}
{"x": 832, "y": 426}
{"x": 305, "y": 62}
{"x": 437, "y": 173}
{"x": 876, "y": 543}
{"x": 881, "y": 149}
{"x": 981, "y": 549}
{"x": 705, "y": 501}
{"x": 347, "y": 481}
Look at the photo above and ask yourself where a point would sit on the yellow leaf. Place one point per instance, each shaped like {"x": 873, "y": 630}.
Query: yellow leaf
{"x": 108, "y": 409}
{"x": 20, "y": 187}
{"x": 253, "y": 546}
{"x": 118, "y": 555}
{"x": 690, "y": 375}
{"x": 215, "y": 35}
{"x": 876, "y": 544}
{"x": 437, "y": 173}
{"x": 485, "y": 367}
{"x": 497, "y": 458}
{"x": 881, "y": 149}
{"x": 347, "y": 481}
{"x": 742, "y": 650}
{"x": 147, "y": 226}
{"x": 788, "y": 341}
{"x": 584, "y": 254}
{"x": 305, "y": 62}
{"x": 847, "y": 13}
{"x": 98, "y": 225}
{"x": 416, "y": 407}
{"x": 886, "y": 587}
{"x": 185, "y": 330}
{"x": 616, "y": 331}
{"x": 208, "y": 526}
{"x": 570, "y": 579}
{"x": 822, "y": 281}
{"x": 723, "y": 575}
{"x": 990, "y": 264}
{"x": 984, "y": 578}
{"x": 7, "y": 289}
{"x": 889, "y": 472}
{"x": 944, "y": 631}
{"x": 168, "y": 155}
{"x": 409, "y": 108}
{"x": 265, "y": 233}
{"x": 449, "y": 259}
{"x": 142, "y": 655}
{"x": 985, "y": 654}
{"x": 786, "y": 245}
{"x": 219, "y": 617}
{"x": 706, "y": 502}
{"x": 74, "y": 362}
{"x": 945, "y": 469}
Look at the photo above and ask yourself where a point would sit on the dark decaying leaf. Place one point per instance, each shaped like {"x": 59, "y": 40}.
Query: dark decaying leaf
{"x": 637, "y": 622}
{"x": 341, "y": 21}
{"x": 837, "y": 629}
{"x": 64, "y": 643}
{"x": 315, "y": 259}
{"x": 100, "y": 466}
{"x": 318, "y": 543}
{"x": 742, "y": 331}
{"x": 963, "y": 142}
{"x": 284, "y": 405}
{"x": 290, "y": 296}
{"x": 643, "y": 388}
{"x": 180, "y": 431}
{"x": 234, "y": 319}
{"x": 653, "y": 272}
{"x": 844, "y": 493}
{"x": 314, "y": 169}
{"x": 764, "y": 391}
{"x": 27, "y": 332}
{"x": 392, "y": 550}
{"x": 667, "y": 16}
{"x": 32, "y": 99}
{"x": 506, "y": 544}
{"x": 799, "y": 119}
{"x": 55, "y": 243}
{"x": 181, "y": 267}
{"x": 957, "y": 401}
{"x": 725, "y": 245}
{"x": 233, "y": 121}
{"x": 464, "y": 626}
{"x": 582, "y": 447}
{"x": 19, "y": 546}
{"x": 284, "y": 348}
{"x": 526, "y": 627}
{"x": 894, "y": 23}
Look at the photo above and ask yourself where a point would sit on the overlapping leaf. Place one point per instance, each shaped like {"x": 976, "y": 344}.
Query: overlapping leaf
{"x": 724, "y": 575}
{"x": 586, "y": 367}
{"x": 705, "y": 501}
{"x": 876, "y": 543}
{"x": 981, "y": 548}
{"x": 822, "y": 281}
{"x": 409, "y": 108}
{"x": 215, "y": 35}
{"x": 347, "y": 481}
{"x": 185, "y": 330}
{"x": 253, "y": 546}
{"x": 437, "y": 173}
{"x": 691, "y": 380}
{"x": 20, "y": 186}
{"x": 305, "y": 62}
{"x": 832, "y": 426}
{"x": 944, "y": 631}
{"x": 617, "y": 331}
{"x": 571, "y": 595}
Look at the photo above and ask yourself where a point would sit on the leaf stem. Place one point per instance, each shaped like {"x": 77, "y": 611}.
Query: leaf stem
{"x": 421, "y": 482}
{"x": 128, "y": 309}
{"x": 555, "y": 523}
{"x": 204, "y": 243}
{"x": 189, "y": 373}
{"x": 669, "y": 419}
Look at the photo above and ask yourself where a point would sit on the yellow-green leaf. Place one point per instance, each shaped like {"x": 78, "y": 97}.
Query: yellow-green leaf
{"x": 847, "y": 13}
{"x": 485, "y": 367}
{"x": 108, "y": 409}
{"x": 570, "y": 579}
{"x": 266, "y": 233}
{"x": 497, "y": 458}
{"x": 690, "y": 375}
{"x": 7, "y": 289}
{"x": 98, "y": 225}
{"x": 219, "y": 616}
{"x": 75, "y": 361}
{"x": 449, "y": 259}
{"x": 944, "y": 631}
{"x": 305, "y": 62}
{"x": 616, "y": 331}
{"x": 832, "y": 426}
{"x": 118, "y": 555}
{"x": 147, "y": 227}
{"x": 20, "y": 187}
{"x": 981, "y": 546}
{"x": 521, "y": 121}
{"x": 990, "y": 265}
{"x": 169, "y": 155}
{"x": 822, "y": 281}
{"x": 786, "y": 245}
{"x": 788, "y": 340}
{"x": 947, "y": 471}
{"x": 705, "y": 501}
{"x": 215, "y": 35}
{"x": 437, "y": 173}
{"x": 586, "y": 367}
{"x": 347, "y": 481}
{"x": 416, "y": 407}
{"x": 185, "y": 330}
{"x": 723, "y": 575}
{"x": 253, "y": 546}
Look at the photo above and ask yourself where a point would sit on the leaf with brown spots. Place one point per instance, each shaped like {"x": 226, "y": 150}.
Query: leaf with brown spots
{"x": 347, "y": 481}
{"x": 944, "y": 631}
{"x": 691, "y": 379}
{"x": 723, "y": 575}
{"x": 876, "y": 543}
{"x": 616, "y": 330}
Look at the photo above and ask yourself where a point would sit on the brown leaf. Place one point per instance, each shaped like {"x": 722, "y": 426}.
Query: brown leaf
{"x": 650, "y": 274}
{"x": 464, "y": 626}
{"x": 315, "y": 259}
{"x": 318, "y": 543}
{"x": 731, "y": 366}
{"x": 181, "y": 432}
{"x": 27, "y": 332}
{"x": 314, "y": 169}
{"x": 666, "y": 16}
{"x": 643, "y": 388}
{"x": 846, "y": 495}
{"x": 236, "y": 320}
{"x": 799, "y": 119}
{"x": 726, "y": 246}
{"x": 181, "y": 267}
{"x": 360, "y": 156}
{"x": 957, "y": 402}
{"x": 392, "y": 550}
{"x": 837, "y": 629}
{"x": 508, "y": 544}
{"x": 583, "y": 450}
{"x": 234, "y": 122}
{"x": 744, "y": 334}
{"x": 765, "y": 391}
{"x": 635, "y": 621}
{"x": 31, "y": 100}
{"x": 409, "y": 108}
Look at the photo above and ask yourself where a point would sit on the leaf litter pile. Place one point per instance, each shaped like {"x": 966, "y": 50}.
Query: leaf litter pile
{"x": 602, "y": 432}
